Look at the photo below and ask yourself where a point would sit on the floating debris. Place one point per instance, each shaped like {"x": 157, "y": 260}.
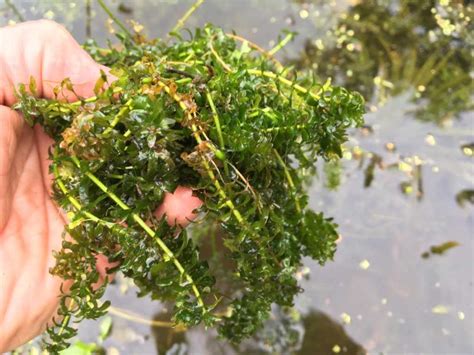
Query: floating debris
{"x": 376, "y": 160}
{"x": 125, "y": 9}
{"x": 336, "y": 349}
{"x": 390, "y": 147}
{"x": 440, "y": 249}
{"x": 346, "y": 318}
{"x": 440, "y": 309}
{"x": 405, "y": 167}
{"x": 304, "y": 14}
{"x": 430, "y": 140}
{"x": 413, "y": 167}
{"x": 461, "y": 315}
{"x": 406, "y": 188}
{"x": 364, "y": 264}
{"x": 367, "y": 130}
{"x": 468, "y": 149}
{"x": 465, "y": 196}
{"x": 49, "y": 15}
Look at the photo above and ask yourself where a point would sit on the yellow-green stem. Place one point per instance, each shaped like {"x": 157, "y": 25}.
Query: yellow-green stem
{"x": 122, "y": 112}
{"x": 169, "y": 254}
{"x": 281, "y": 44}
{"x": 199, "y": 140}
{"x": 285, "y": 81}
{"x": 136, "y": 318}
{"x": 283, "y": 128}
{"x": 15, "y": 10}
{"x": 219, "y": 59}
{"x": 257, "y": 48}
{"x": 188, "y": 13}
{"x": 217, "y": 122}
{"x": 288, "y": 178}
{"x": 114, "y": 18}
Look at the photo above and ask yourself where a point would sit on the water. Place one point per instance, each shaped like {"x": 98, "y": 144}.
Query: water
{"x": 379, "y": 295}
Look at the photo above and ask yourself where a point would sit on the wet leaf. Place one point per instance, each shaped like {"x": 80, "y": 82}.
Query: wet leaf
{"x": 229, "y": 126}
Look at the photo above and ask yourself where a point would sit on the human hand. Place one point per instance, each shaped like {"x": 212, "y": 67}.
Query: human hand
{"x": 31, "y": 225}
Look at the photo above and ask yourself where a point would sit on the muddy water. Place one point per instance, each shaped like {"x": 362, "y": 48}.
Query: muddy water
{"x": 404, "y": 187}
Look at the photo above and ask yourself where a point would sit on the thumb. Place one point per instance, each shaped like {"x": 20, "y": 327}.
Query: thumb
{"x": 47, "y": 52}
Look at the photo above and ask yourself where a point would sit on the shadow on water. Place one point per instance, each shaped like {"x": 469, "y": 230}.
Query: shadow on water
{"x": 402, "y": 280}
{"x": 323, "y": 333}
{"x": 315, "y": 333}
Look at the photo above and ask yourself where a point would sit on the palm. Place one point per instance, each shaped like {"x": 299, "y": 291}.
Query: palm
{"x": 32, "y": 227}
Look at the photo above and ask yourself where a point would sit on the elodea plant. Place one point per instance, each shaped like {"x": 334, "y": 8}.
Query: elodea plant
{"x": 218, "y": 115}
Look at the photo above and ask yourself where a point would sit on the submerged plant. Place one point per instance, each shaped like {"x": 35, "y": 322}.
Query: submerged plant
{"x": 212, "y": 113}
{"x": 382, "y": 49}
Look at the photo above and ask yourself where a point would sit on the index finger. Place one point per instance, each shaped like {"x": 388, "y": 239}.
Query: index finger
{"x": 47, "y": 52}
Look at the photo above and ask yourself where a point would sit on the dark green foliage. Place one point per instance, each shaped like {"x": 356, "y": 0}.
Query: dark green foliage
{"x": 383, "y": 48}
{"x": 214, "y": 115}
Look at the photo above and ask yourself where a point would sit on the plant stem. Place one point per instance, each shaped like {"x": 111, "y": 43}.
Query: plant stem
{"x": 289, "y": 179}
{"x": 136, "y": 318}
{"x": 212, "y": 176}
{"x": 15, "y": 10}
{"x": 283, "y": 128}
{"x": 75, "y": 203}
{"x": 114, "y": 18}
{"x": 88, "y": 19}
{"x": 285, "y": 81}
{"x": 219, "y": 59}
{"x": 215, "y": 115}
{"x": 257, "y": 48}
{"x": 187, "y": 14}
{"x": 281, "y": 44}
{"x": 146, "y": 228}
{"x": 122, "y": 112}
{"x": 227, "y": 201}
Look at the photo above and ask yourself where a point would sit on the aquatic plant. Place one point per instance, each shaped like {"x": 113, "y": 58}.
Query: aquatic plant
{"x": 382, "y": 49}
{"x": 206, "y": 110}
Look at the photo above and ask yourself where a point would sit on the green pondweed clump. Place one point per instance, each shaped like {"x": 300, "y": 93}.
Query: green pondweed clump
{"x": 218, "y": 115}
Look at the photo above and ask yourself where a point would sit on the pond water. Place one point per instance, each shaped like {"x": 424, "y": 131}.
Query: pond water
{"x": 402, "y": 278}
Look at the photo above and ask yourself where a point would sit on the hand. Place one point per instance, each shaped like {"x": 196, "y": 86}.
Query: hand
{"x": 31, "y": 225}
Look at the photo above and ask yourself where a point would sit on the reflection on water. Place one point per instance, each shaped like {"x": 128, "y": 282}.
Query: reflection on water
{"x": 411, "y": 60}
{"x": 323, "y": 335}
{"x": 286, "y": 333}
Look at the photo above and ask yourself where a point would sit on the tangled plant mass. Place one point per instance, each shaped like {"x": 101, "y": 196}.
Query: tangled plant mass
{"x": 211, "y": 113}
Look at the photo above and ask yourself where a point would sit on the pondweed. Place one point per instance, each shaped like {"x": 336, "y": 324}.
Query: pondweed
{"x": 212, "y": 112}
